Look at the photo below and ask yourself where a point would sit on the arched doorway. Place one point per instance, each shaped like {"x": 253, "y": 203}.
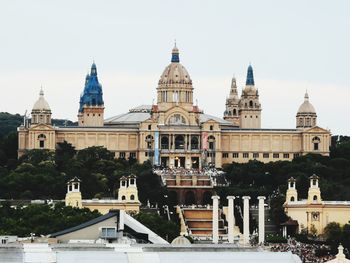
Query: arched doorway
{"x": 190, "y": 198}
{"x": 207, "y": 198}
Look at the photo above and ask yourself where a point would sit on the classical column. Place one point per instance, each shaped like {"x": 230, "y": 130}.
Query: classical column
{"x": 246, "y": 219}
{"x": 261, "y": 219}
{"x": 215, "y": 218}
{"x": 230, "y": 218}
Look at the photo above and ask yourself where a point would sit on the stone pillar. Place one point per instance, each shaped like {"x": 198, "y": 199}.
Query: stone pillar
{"x": 230, "y": 218}
{"x": 215, "y": 218}
{"x": 246, "y": 219}
{"x": 261, "y": 219}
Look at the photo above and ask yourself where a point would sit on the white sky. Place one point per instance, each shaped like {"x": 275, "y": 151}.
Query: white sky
{"x": 292, "y": 45}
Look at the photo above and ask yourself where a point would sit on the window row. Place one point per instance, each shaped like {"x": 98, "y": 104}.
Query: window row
{"x": 122, "y": 155}
{"x": 258, "y": 155}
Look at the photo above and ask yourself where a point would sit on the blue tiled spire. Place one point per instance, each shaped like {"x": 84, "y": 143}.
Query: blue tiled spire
{"x": 92, "y": 95}
{"x": 175, "y": 55}
{"x": 250, "y": 76}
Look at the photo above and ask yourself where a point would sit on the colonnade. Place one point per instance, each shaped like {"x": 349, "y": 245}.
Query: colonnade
{"x": 231, "y": 219}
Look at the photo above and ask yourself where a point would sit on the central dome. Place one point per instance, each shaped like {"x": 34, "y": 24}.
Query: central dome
{"x": 175, "y": 73}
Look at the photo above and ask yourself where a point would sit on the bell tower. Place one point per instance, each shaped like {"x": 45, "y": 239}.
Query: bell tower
{"x": 314, "y": 193}
{"x": 249, "y": 106}
{"x": 231, "y": 113}
{"x": 292, "y": 194}
{"x": 73, "y": 196}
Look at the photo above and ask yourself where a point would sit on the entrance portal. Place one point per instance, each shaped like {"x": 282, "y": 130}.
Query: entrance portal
{"x": 179, "y": 162}
{"x": 190, "y": 198}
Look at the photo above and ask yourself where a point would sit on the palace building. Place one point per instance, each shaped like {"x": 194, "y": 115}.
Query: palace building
{"x": 174, "y": 132}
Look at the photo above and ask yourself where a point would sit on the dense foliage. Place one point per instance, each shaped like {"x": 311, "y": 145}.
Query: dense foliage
{"x": 41, "y": 219}
{"x": 164, "y": 228}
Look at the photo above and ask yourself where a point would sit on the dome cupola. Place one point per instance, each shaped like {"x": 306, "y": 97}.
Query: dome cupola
{"x": 175, "y": 72}
{"x": 41, "y": 112}
{"x": 306, "y": 115}
{"x": 175, "y": 84}
{"x": 41, "y": 104}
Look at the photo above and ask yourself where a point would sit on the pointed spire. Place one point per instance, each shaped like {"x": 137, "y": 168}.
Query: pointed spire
{"x": 93, "y": 69}
{"x": 250, "y": 76}
{"x": 175, "y": 54}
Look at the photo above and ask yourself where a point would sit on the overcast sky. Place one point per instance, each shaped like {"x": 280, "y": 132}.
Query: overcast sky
{"x": 292, "y": 46}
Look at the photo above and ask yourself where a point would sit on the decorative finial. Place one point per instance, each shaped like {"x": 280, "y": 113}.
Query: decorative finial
{"x": 175, "y": 42}
{"x": 41, "y": 91}
{"x": 306, "y": 97}
{"x": 175, "y": 54}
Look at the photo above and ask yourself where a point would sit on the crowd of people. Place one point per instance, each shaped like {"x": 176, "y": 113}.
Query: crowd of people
{"x": 306, "y": 252}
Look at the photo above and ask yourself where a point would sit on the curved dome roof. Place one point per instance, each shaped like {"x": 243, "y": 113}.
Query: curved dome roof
{"x": 181, "y": 240}
{"x": 41, "y": 104}
{"x": 306, "y": 106}
{"x": 175, "y": 72}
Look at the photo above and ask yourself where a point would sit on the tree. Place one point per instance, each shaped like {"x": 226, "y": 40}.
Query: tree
{"x": 164, "y": 228}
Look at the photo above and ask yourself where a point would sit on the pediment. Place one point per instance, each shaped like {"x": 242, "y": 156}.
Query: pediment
{"x": 316, "y": 129}
{"x": 41, "y": 127}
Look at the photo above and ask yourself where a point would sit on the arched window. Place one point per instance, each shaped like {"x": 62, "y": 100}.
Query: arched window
{"x": 123, "y": 197}
{"x": 251, "y": 104}
{"x": 301, "y": 123}
{"x": 292, "y": 199}
{"x": 132, "y": 197}
{"x": 315, "y": 198}
{"x": 211, "y": 141}
{"x": 149, "y": 141}
{"x": 41, "y": 139}
{"x": 234, "y": 112}
{"x": 179, "y": 142}
{"x": 164, "y": 142}
{"x": 316, "y": 141}
{"x": 308, "y": 123}
{"x": 177, "y": 119}
{"x": 194, "y": 143}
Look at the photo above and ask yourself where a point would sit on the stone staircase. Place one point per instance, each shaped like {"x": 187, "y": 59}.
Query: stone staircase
{"x": 199, "y": 221}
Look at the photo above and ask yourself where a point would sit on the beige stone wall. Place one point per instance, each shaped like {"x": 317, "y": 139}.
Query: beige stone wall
{"x": 327, "y": 214}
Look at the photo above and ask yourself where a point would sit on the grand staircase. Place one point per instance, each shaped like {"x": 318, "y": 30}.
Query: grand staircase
{"x": 198, "y": 222}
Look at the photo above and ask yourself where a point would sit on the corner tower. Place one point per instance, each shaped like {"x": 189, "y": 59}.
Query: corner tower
{"x": 231, "y": 113}
{"x": 91, "y": 108}
{"x": 250, "y": 107}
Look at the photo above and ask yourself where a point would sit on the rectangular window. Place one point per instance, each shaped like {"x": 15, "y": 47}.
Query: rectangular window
{"x": 132, "y": 155}
{"x": 266, "y": 155}
{"x": 122, "y": 155}
{"x": 149, "y": 127}
{"x": 41, "y": 144}
{"x": 276, "y": 155}
{"x": 316, "y": 146}
{"x": 296, "y": 155}
{"x": 224, "y": 155}
{"x": 255, "y": 155}
{"x": 286, "y": 155}
{"x": 245, "y": 155}
{"x": 235, "y": 155}
{"x": 108, "y": 232}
